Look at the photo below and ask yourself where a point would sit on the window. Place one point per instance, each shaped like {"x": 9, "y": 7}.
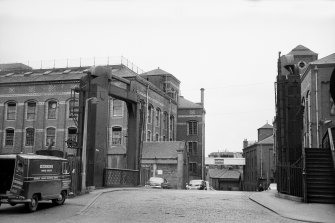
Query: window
{"x": 192, "y": 148}
{"x": 11, "y": 110}
{"x": 192, "y": 167}
{"x": 165, "y": 120}
{"x": 157, "y": 137}
{"x": 30, "y": 135}
{"x": 149, "y": 136}
{"x": 9, "y": 138}
{"x": 158, "y": 115}
{"x": 117, "y": 107}
{"x": 171, "y": 128}
{"x": 116, "y": 135}
{"x": 51, "y": 136}
{"x": 72, "y": 133}
{"x": 192, "y": 127}
{"x": 150, "y": 108}
{"x": 31, "y": 110}
{"x": 73, "y": 108}
{"x": 52, "y": 109}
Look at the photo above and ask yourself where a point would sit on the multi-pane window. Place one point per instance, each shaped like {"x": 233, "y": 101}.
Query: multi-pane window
{"x": 52, "y": 109}
{"x": 51, "y": 136}
{"x": 192, "y": 148}
{"x": 117, "y": 107}
{"x": 150, "y": 109}
{"x": 31, "y": 110}
{"x": 30, "y": 136}
{"x": 11, "y": 110}
{"x": 9, "y": 138}
{"x": 158, "y": 115}
{"x": 192, "y": 127}
{"x": 73, "y": 108}
{"x": 116, "y": 135}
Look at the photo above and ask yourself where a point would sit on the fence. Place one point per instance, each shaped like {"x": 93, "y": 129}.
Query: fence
{"x": 290, "y": 178}
{"x": 121, "y": 177}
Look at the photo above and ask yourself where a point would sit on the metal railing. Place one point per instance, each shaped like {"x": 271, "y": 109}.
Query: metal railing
{"x": 290, "y": 178}
{"x": 81, "y": 62}
{"x": 121, "y": 177}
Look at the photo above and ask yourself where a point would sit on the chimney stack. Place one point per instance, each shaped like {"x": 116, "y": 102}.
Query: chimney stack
{"x": 202, "y": 97}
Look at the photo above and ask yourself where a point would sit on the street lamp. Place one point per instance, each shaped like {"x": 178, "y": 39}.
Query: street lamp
{"x": 84, "y": 149}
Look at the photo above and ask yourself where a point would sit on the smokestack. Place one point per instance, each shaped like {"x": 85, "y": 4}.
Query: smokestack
{"x": 202, "y": 97}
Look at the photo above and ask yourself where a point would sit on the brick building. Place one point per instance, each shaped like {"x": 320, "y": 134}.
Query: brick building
{"x": 319, "y": 113}
{"x": 191, "y": 129}
{"x": 259, "y": 160}
{"x": 36, "y": 107}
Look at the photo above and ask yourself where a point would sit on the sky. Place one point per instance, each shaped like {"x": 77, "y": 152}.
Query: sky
{"x": 228, "y": 47}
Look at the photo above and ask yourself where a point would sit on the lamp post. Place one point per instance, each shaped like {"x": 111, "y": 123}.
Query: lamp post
{"x": 84, "y": 149}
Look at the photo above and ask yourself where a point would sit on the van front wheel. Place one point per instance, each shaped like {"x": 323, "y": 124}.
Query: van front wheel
{"x": 32, "y": 205}
{"x": 60, "y": 200}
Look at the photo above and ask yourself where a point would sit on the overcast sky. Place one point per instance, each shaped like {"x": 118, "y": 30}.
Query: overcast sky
{"x": 230, "y": 48}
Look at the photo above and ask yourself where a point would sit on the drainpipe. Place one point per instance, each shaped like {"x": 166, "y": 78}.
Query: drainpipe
{"x": 317, "y": 108}
{"x": 146, "y": 116}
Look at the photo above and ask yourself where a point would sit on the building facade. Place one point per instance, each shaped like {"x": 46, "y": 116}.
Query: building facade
{"x": 191, "y": 129}
{"x": 319, "y": 108}
{"x": 259, "y": 160}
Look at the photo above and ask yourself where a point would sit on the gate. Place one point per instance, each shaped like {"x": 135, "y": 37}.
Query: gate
{"x": 75, "y": 169}
{"x": 121, "y": 177}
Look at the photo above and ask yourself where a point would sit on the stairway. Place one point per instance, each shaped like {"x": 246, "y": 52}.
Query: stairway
{"x": 320, "y": 179}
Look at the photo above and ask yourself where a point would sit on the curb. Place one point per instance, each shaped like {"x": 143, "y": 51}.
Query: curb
{"x": 281, "y": 215}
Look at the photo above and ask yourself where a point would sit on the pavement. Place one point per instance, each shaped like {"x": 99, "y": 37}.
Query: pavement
{"x": 296, "y": 210}
{"x": 285, "y": 207}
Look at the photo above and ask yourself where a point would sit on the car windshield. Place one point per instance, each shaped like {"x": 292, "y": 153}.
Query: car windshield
{"x": 156, "y": 180}
{"x": 195, "y": 182}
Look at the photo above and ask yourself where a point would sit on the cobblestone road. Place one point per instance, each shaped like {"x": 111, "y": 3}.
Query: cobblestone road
{"x": 155, "y": 205}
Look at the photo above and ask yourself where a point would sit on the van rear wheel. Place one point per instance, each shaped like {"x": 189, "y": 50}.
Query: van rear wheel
{"x": 60, "y": 200}
{"x": 33, "y": 204}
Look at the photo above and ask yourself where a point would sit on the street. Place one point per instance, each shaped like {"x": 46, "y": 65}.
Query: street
{"x": 149, "y": 205}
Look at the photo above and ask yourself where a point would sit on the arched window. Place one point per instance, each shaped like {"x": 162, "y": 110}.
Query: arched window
{"x": 192, "y": 127}
{"x": 52, "y": 109}
{"x": 50, "y": 138}
{"x": 11, "y": 110}
{"x": 165, "y": 120}
{"x": 150, "y": 110}
{"x": 31, "y": 110}
{"x": 30, "y": 136}
{"x": 116, "y": 135}
{"x": 158, "y": 117}
{"x": 149, "y": 136}
{"x": 9, "y": 138}
{"x": 171, "y": 128}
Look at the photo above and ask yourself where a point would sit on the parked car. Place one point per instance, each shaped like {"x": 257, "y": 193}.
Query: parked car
{"x": 272, "y": 186}
{"x": 196, "y": 185}
{"x": 158, "y": 182}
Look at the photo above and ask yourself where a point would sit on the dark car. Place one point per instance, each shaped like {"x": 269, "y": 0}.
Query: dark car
{"x": 158, "y": 182}
{"x": 196, "y": 185}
